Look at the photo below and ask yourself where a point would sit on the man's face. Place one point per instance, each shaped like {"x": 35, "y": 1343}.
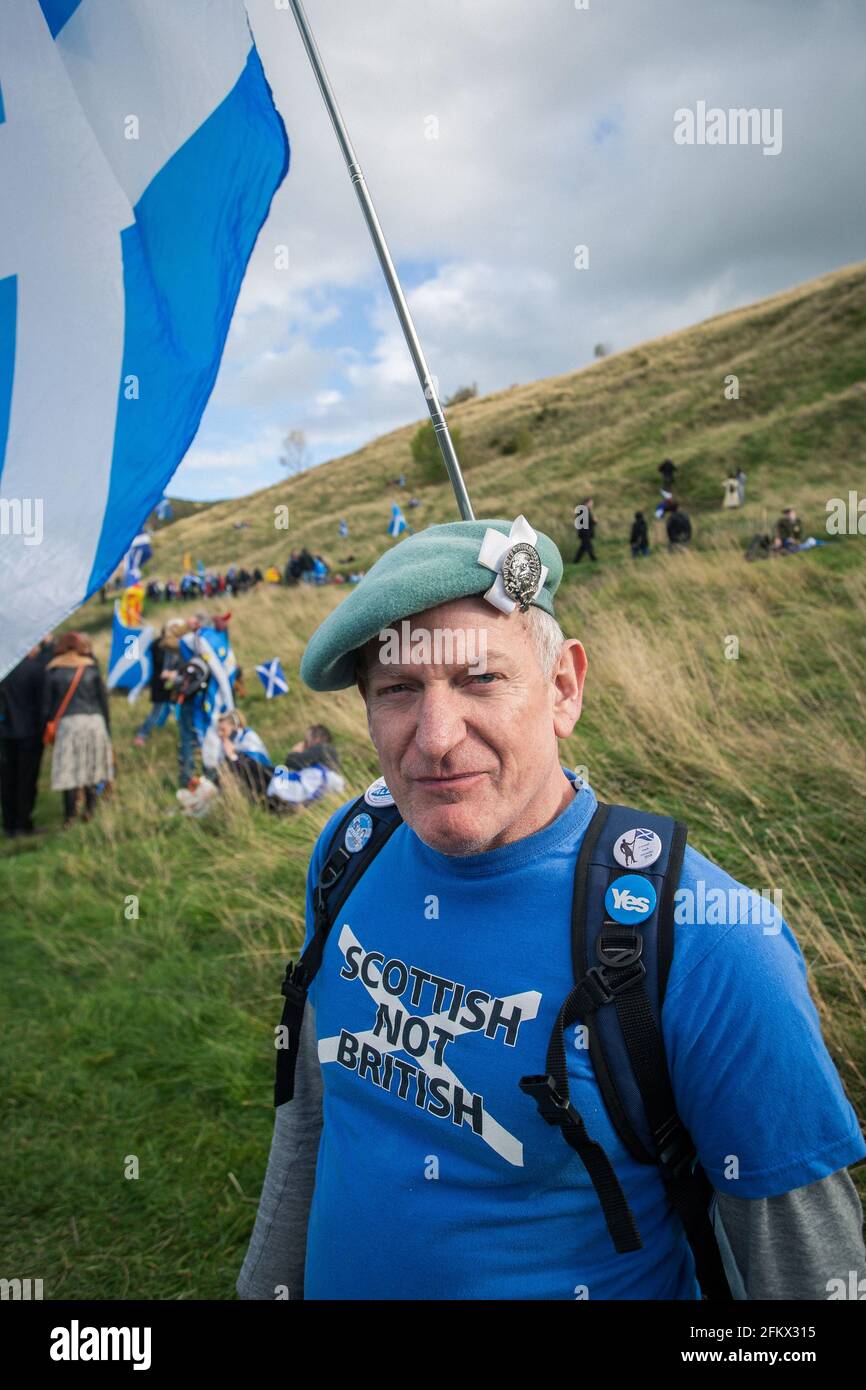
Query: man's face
{"x": 469, "y": 757}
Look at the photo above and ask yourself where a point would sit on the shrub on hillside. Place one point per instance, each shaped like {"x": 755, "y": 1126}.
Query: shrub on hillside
{"x": 427, "y": 456}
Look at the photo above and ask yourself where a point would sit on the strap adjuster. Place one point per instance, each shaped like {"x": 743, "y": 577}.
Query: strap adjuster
{"x": 619, "y": 949}
{"x": 676, "y": 1151}
{"x": 552, "y": 1107}
{"x": 291, "y": 989}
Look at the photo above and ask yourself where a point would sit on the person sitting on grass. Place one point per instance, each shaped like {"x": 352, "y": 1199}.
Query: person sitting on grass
{"x": 317, "y": 746}
{"x": 789, "y": 531}
{"x": 244, "y": 754}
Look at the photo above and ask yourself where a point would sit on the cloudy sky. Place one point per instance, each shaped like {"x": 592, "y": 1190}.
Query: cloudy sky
{"x": 496, "y": 137}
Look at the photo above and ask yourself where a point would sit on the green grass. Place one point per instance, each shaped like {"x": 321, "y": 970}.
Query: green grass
{"x": 152, "y": 1035}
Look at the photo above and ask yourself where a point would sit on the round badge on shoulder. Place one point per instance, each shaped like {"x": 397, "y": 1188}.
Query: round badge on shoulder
{"x": 377, "y": 794}
{"x": 630, "y": 899}
{"x": 637, "y": 848}
{"x": 358, "y": 832}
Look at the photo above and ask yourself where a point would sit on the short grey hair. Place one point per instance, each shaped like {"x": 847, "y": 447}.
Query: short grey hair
{"x": 547, "y": 638}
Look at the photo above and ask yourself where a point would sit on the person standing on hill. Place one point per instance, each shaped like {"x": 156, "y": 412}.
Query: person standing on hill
{"x": 584, "y": 525}
{"x": 21, "y": 725}
{"x": 731, "y": 496}
{"x": 789, "y": 531}
{"x": 639, "y": 537}
{"x": 75, "y": 701}
{"x": 667, "y": 469}
{"x": 679, "y": 528}
{"x": 487, "y": 945}
{"x": 741, "y": 484}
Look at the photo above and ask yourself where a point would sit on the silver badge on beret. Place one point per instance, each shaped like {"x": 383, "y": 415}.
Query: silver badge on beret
{"x": 521, "y": 573}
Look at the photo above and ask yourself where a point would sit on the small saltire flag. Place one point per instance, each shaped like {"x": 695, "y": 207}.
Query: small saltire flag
{"x": 139, "y": 152}
{"x": 343, "y": 529}
{"x": 137, "y": 555}
{"x": 398, "y": 522}
{"x": 164, "y": 510}
{"x": 130, "y": 663}
{"x": 271, "y": 675}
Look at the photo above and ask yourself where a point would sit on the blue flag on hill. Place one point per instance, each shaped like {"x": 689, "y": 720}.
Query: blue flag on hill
{"x": 271, "y": 675}
{"x": 140, "y": 149}
{"x": 398, "y": 521}
{"x": 164, "y": 510}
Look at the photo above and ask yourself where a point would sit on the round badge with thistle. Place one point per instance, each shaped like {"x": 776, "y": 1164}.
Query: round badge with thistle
{"x": 521, "y": 573}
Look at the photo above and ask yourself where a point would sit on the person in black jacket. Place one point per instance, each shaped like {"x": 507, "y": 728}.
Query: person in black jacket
{"x": 21, "y": 724}
{"x": 679, "y": 528}
{"x": 165, "y": 659}
{"x": 639, "y": 538}
{"x": 584, "y": 525}
{"x": 82, "y": 753}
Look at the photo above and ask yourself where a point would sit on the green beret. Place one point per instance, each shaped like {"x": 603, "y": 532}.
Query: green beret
{"x": 432, "y": 567}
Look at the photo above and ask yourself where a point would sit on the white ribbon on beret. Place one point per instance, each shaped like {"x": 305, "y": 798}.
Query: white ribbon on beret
{"x": 493, "y": 550}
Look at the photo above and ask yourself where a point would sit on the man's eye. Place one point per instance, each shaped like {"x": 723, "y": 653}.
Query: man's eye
{"x": 485, "y": 676}
{"x": 392, "y": 689}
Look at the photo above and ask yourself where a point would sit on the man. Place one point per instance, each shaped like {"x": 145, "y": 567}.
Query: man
{"x": 411, "y": 1164}
{"x": 667, "y": 469}
{"x": 317, "y": 746}
{"x": 789, "y": 531}
{"x": 584, "y": 525}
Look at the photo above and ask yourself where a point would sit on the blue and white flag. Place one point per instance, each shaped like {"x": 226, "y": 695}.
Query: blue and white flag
{"x": 271, "y": 675}
{"x": 217, "y": 698}
{"x": 137, "y": 555}
{"x": 164, "y": 511}
{"x": 343, "y": 529}
{"x": 398, "y": 521}
{"x": 131, "y": 660}
{"x": 139, "y": 152}
{"x": 248, "y": 742}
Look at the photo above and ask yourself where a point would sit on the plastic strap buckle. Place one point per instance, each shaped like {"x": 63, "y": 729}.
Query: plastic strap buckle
{"x": 552, "y": 1106}
{"x": 676, "y": 1152}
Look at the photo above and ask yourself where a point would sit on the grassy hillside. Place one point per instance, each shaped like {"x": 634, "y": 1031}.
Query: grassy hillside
{"x": 152, "y": 1035}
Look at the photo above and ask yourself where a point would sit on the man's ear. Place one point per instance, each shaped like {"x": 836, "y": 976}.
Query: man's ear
{"x": 568, "y": 679}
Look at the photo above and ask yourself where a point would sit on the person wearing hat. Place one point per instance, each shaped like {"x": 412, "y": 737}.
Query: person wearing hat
{"x": 411, "y": 1161}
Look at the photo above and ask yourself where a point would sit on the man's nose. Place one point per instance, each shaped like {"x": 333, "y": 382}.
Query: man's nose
{"x": 440, "y": 725}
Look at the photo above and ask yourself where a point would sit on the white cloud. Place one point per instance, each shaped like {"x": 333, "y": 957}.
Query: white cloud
{"x": 555, "y": 128}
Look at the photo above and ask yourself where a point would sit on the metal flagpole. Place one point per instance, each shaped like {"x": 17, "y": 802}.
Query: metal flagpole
{"x": 431, "y": 395}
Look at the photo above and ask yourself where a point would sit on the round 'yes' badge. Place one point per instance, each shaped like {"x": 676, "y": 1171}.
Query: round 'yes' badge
{"x": 358, "y": 832}
{"x": 630, "y": 899}
{"x": 637, "y": 848}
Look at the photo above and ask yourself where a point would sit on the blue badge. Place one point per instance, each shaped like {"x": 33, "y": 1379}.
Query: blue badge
{"x": 630, "y": 899}
{"x": 358, "y": 832}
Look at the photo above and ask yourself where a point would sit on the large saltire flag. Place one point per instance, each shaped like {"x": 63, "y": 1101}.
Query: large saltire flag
{"x": 139, "y": 152}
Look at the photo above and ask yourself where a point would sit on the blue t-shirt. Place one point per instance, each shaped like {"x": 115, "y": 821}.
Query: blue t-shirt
{"x": 440, "y": 983}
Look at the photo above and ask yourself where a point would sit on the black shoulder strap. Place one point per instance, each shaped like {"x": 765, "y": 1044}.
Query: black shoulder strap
{"x": 626, "y": 1040}
{"x": 362, "y": 831}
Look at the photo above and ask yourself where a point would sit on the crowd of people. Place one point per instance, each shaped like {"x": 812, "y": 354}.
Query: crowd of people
{"x": 787, "y": 537}
{"x": 677, "y": 523}
{"x": 56, "y": 698}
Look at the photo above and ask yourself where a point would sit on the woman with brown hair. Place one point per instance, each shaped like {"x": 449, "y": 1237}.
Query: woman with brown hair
{"x": 76, "y": 705}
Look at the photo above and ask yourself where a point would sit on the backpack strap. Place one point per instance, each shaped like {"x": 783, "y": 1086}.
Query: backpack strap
{"x": 362, "y": 831}
{"x": 629, "y": 867}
